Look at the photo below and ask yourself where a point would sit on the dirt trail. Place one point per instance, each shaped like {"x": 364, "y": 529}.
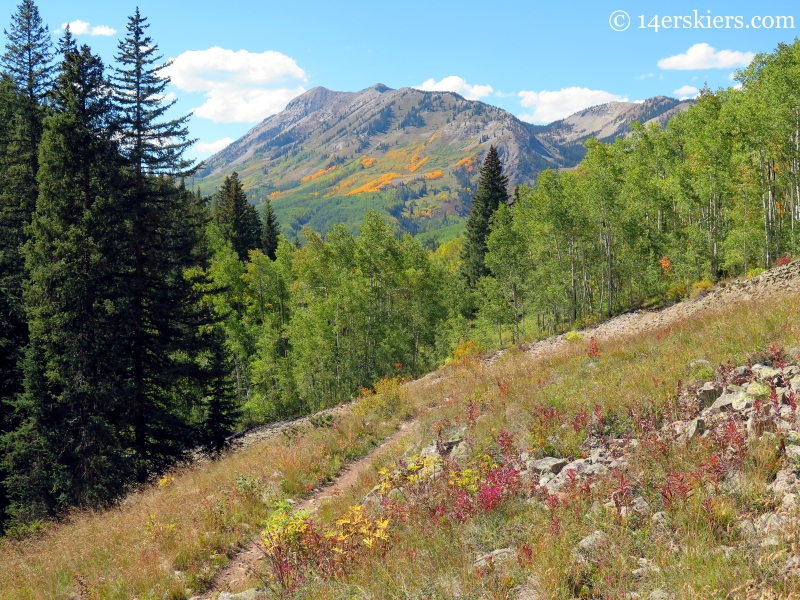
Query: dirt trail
{"x": 240, "y": 566}
{"x": 778, "y": 282}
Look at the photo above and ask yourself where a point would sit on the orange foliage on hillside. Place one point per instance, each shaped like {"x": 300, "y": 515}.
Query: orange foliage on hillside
{"x": 319, "y": 173}
{"x": 434, "y": 136}
{"x": 368, "y": 162}
{"x": 470, "y": 164}
{"x": 434, "y": 175}
{"x": 277, "y": 194}
{"x": 337, "y": 188}
{"x": 416, "y": 163}
{"x": 376, "y": 185}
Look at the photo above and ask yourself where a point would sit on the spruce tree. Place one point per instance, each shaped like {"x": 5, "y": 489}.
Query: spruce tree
{"x": 236, "y": 218}
{"x": 67, "y": 449}
{"x": 28, "y": 58}
{"x": 25, "y": 81}
{"x": 270, "y": 231}
{"x": 163, "y": 309}
{"x": 490, "y": 195}
{"x": 220, "y": 404}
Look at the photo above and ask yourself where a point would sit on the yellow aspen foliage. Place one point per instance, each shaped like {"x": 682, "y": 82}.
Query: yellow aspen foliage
{"x": 319, "y": 173}
{"x": 470, "y": 164}
{"x": 434, "y": 175}
{"x": 368, "y": 162}
{"x": 376, "y": 185}
{"x": 277, "y": 194}
{"x": 416, "y": 164}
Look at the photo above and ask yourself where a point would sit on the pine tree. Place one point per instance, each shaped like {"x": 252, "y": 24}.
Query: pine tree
{"x": 236, "y": 217}
{"x": 153, "y": 146}
{"x": 221, "y": 407}
{"x": 26, "y": 79}
{"x": 491, "y": 194}
{"x": 270, "y": 231}
{"x": 163, "y": 309}
{"x": 68, "y": 450}
{"x": 28, "y": 59}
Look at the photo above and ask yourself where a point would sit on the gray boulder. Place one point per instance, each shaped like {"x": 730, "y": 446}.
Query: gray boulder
{"x": 548, "y": 464}
{"x": 591, "y": 548}
{"x": 707, "y": 394}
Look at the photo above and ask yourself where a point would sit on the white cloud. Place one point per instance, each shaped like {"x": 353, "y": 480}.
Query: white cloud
{"x": 78, "y": 27}
{"x": 458, "y": 85}
{"x": 212, "y": 147}
{"x": 645, "y": 76}
{"x": 103, "y": 30}
{"x": 240, "y": 87}
{"x": 552, "y": 106}
{"x": 685, "y": 92}
{"x": 703, "y": 56}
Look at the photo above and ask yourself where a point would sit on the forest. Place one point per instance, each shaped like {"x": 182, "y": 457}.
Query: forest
{"x": 143, "y": 321}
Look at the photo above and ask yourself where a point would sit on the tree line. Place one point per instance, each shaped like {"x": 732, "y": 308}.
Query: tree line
{"x": 111, "y": 365}
{"x": 662, "y": 213}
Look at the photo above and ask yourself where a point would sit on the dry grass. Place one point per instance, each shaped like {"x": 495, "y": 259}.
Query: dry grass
{"x": 632, "y": 380}
{"x": 162, "y": 541}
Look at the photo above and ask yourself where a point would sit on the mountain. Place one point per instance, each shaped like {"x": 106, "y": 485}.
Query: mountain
{"x": 412, "y": 155}
{"x": 605, "y": 122}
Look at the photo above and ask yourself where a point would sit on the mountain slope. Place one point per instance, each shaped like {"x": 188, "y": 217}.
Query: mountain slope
{"x": 412, "y": 155}
{"x": 605, "y": 122}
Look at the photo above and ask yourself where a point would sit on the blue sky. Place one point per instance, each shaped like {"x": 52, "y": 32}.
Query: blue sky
{"x": 238, "y": 62}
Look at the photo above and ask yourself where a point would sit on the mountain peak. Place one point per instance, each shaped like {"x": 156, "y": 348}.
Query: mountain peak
{"x": 312, "y": 100}
{"x": 415, "y": 155}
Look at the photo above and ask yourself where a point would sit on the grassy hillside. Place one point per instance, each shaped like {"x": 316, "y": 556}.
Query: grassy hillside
{"x": 441, "y": 515}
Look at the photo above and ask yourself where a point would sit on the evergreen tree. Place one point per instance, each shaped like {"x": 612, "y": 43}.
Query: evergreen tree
{"x": 28, "y": 58}
{"x": 67, "y": 449}
{"x": 491, "y": 194}
{"x": 237, "y": 219}
{"x": 270, "y": 231}
{"x": 26, "y": 79}
{"x": 163, "y": 310}
{"x": 221, "y": 408}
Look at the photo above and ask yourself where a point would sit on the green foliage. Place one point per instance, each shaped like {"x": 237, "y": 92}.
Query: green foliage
{"x": 236, "y": 218}
{"x": 657, "y": 215}
{"x": 123, "y": 372}
{"x": 28, "y": 72}
{"x": 270, "y": 231}
{"x": 28, "y": 58}
{"x": 491, "y": 194}
{"x": 312, "y": 327}
{"x": 73, "y": 375}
